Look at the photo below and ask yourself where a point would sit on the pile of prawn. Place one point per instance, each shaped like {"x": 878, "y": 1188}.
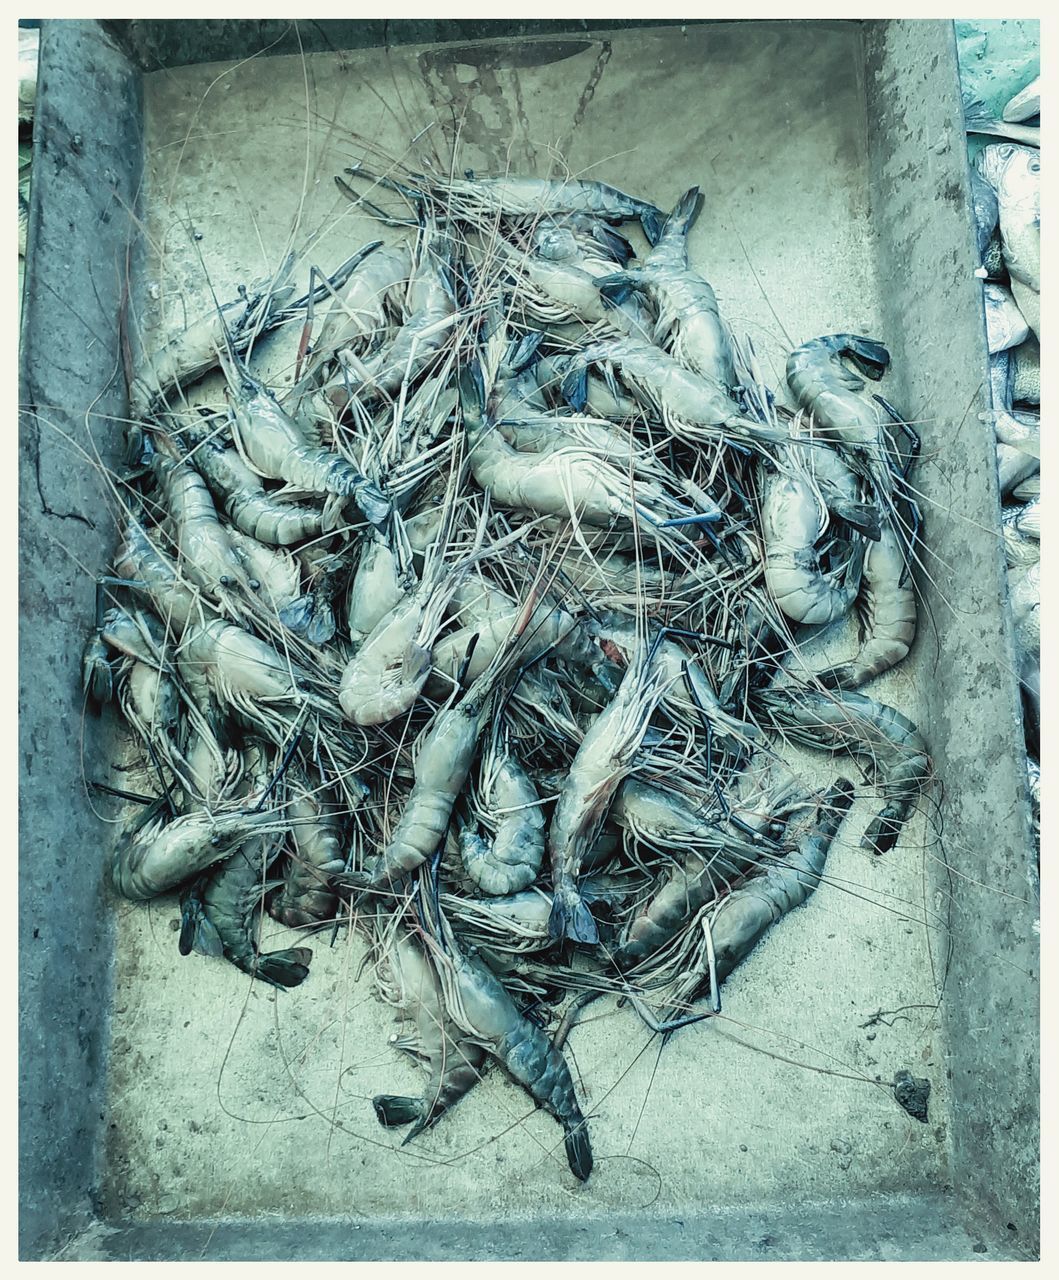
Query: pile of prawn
{"x": 482, "y": 637}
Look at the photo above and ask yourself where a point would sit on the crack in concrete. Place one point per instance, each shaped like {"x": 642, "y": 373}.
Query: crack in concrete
{"x": 46, "y": 509}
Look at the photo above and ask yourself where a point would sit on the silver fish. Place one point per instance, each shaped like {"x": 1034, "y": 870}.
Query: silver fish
{"x": 986, "y": 212}
{"x": 1011, "y": 432}
{"x": 1027, "y": 519}
{"x": 993, "y": 258}
{"x": 1020, "y": 550}
{"x": 1004, "y": 322}
{"x": 28, "y": 49}
{"x": 1014, "y": 469}
{"x": 1026, "y": 373}
{"x": 1020, "y": 431}
{"x": 978, "y": 119}
{"x": 1033, "y": 774}
{"x": 1014, "y": 173}
{"x": 1025, "y": 104}
{"x": 1028, "y": 489}
{"x": 1029, "y": 303}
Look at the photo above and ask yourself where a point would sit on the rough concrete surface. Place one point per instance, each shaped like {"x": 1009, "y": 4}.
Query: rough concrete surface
{"x": 268, "y": 1109}
{"x": 228, "y": 1100}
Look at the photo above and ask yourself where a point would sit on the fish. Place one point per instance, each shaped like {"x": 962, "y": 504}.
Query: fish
{"x": 993, "y": 260}
{"x": 986, "y": 212}
{"x": 1004, "y": 322}
{"x": 1025, "y": 104}
{"x": 1014, "y": 173}
{"x": 977, "y": 119}
{"x": 1029, "y": 303}
{"x": 1026, "y": 373}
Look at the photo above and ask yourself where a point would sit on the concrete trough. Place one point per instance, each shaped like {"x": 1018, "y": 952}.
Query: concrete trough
{"x": 170, "y": 1111}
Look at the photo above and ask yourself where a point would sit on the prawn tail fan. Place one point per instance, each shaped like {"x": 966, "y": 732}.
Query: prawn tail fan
{"x": 614, "y": 242}
{"x": 615, "y": 289}
{"x": 870, "y": 356}
{"x": 575, "y": 388}
{"x": 686, "y": 210}
{"x": 653, "y": 222}
{"x": 882, "y": 833}
{"x": 197, "y": 933}
{"x": 297, "y": 615}
{"x": 284, "y": 968}
{"x": 842, "y": 676}
{"x": 322, "y": 627}
{"x": 524, "y": 351}
{"x": 579, "y": 1151}
{"x": 862, "y": 516}
{"x": 374, "y": 505}
{"x": 392, "y": 1111}
{"x": 570, "y": 918}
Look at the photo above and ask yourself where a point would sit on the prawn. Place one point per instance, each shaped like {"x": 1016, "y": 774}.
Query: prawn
{"x": 245, "y": 672}
{"x": 470, "y": 199}
{"x": 569, "y": 482}
{"x": 695, "y": 408}
{"x": 850, "y": 722}
{"x": 384, "y": 677}
{"x": 505, "y": 801}
{"x": 251, "y": 509}
{"x": 479, "y": 1004}
{"x": 442, "y": 765}
{"x": 193, "y": 352}
{"x": 887, "y": 605}
{"x": 742, "y": 918}
{"x": 603, "y": 759}
{"x": 156, "y": 856}
{"x": 689, "y": 323}
{"x": 830, "y": 391}
{"x": 455, "y": 1061}
{"x": 716, "y": 855}
{"x": 793, "y": 518}
{"x": 205, "y": 552}
{"x": 140, "y": 563}
{"x": 357, "y": 314}
{"x": 430, "y": 311}
{"x": 218, "y": 912}
{"x": 307, "y": 894}
{"x": 275, "y": 444}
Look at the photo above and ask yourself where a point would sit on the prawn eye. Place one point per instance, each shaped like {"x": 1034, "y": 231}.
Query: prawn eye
{"x": 215, "y": 841}
{"x": 254, "y": 584}
{"x": 224, "y": 580}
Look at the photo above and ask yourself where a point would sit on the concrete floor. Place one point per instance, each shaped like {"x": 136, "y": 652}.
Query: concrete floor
{"x": 226, "y": 1099}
